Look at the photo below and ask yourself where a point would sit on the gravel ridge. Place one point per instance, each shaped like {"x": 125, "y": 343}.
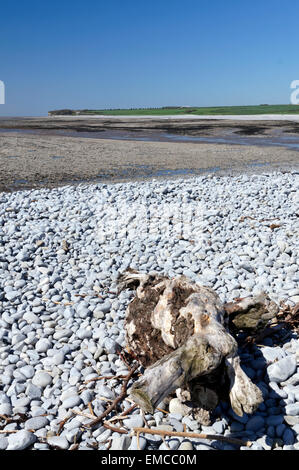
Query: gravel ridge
{"x": 61, "y": 319}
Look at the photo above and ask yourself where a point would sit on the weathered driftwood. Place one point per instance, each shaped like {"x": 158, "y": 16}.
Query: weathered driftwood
{"x": 251, "y": 313}
{"x": 179, "y": 331}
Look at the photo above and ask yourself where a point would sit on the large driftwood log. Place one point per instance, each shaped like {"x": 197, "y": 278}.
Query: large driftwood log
{"x": 179, "y": 331}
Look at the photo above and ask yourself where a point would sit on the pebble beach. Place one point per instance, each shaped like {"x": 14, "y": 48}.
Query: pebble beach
{"x": 62, "y": 319}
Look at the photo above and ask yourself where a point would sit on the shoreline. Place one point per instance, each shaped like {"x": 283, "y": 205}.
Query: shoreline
{"x": 241, "y": 117}
{"x": 46, "y": 161}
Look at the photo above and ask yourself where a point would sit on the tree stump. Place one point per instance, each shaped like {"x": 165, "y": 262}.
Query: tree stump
{"x": 180, "y": 332}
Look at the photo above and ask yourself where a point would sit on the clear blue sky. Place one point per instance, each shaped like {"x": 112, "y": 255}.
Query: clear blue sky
{"x": 141, "y": 53}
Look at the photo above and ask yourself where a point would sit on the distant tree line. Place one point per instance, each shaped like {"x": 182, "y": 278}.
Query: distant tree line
{"x": 69, "y": 112}
{"x": 65, "y": 112}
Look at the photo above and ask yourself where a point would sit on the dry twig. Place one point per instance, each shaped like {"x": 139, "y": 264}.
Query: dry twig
{"x": 163, "y": 411}
{"x": 123, "y": 414}
{"x": 3, "y": 431}
{"x": 90, "y": 409}
{"x": 128, "y": 410}
{"x": 117, "y": 399}
{"x": 115, "y": 429}
{"x": 62, "y": 423}
{"x": 194, "y": 435}
{"x": 81, "y": 413}
{"x": 105, "y": 377}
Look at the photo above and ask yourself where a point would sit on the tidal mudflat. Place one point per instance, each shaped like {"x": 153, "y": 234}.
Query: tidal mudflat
{"x": 40, "y": 160}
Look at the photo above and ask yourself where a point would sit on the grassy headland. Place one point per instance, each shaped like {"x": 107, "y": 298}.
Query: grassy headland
{"x": 177, "y": 110}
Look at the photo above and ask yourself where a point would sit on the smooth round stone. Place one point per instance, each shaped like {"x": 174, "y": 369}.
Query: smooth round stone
{"x": 274, "y": 420}
{"x": 58, "y": 358}
{"x": 185, "y": 445}
{"x": 282, "y": 369}
{"x": 120, "y": 443}
{"x": 82, "y": 334}
{"x": 98, "y": 353}
{"x": 255, "y": 423}
{"x": 42, "y": 379}
{"x": 135, "y": 421}
{"x": 17, "y": 338}
{"x": 3, "y": 443}
{"x": 277, "y": 391}
{"x": 236, "y": 427}
{"x": 13, "y": 358}
{"x": 191, "y": 423}
{"x": 33, "y": 356}
{"x": 83, "y": 312}
{"x": 69, "y": 392}
{"x": 292, "y": 409}
{"x": 177, "y": 407}
{"x": 71, "y": 402}
{"x": 98, "y": 314}
{"x": 41, "y": 446}
{"x": 30, "y": 318}
{"x": 20, "y": 283}
{"x": 111, "y": 346}
{"x": 73, "y": 434}
{"x": 33, "y": 391}
{"x": 21, "y": 440}
{"x": 5, "y": 409}
{"x": 4, "y": 398}
{"x": 288, "y": 437}
{"x": 42, "y": 345}
{"x": 27, "y": 371}
{"x": 62, "y": 334}
{"x": 292, "y": 420}
{"x": 20, "y": 378}
{"x": 58, "y": 441}
{"x": 6, "y": 379}
{"x": 134, "y": 443}
{"x": 280, "y": 429}
{"x": 271, "y": 431}
{"x": 23, "y": 401}
{"x": 37, "y": 410}
{"x": 86, "y": 396}
{"x": 98, "y": 407}
{"x": 74, "y": 379}
{"x": 176, "y": 416}
{"x": 36, "y": 423}
{"x": 104, "y": 391}
{"x": 241, "y": 419}
{"x": 172, "y": 444}
{"x": 208, "y": 275}
{"x": 177, "y": 425}
{"x": 12, "y": 295}
{"x": 105, "y": 306}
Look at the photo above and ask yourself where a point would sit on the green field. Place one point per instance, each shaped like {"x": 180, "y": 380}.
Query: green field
{"x": 177, "y": 110}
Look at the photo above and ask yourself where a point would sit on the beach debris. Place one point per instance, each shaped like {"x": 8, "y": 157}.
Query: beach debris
{"x": 117, "y": 400}
{"x": 186, "y": 339}
{"x": 274, "y": 226}
{"x": 289, "y": 315}
{"x": 192, "y": 435}
{"x": 65, "y": 245}
{"x": 251, "y": 313}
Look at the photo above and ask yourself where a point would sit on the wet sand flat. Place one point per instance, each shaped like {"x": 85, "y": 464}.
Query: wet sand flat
{"x": 181, "y": 125}
{"x": 35, "y": 161}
